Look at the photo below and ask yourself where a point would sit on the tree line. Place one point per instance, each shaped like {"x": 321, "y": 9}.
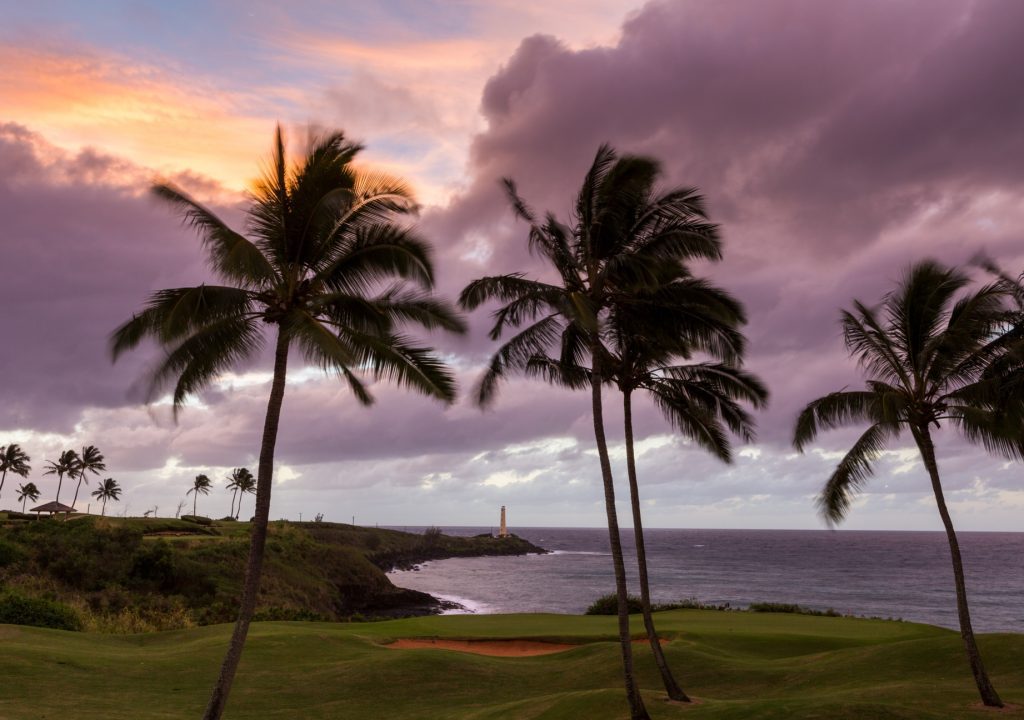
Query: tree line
{"x": 330, "y": 268}
{"x": 70, "y": 463}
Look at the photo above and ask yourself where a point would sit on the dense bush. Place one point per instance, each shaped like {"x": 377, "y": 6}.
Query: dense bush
{"x": 18, "y": 610}
{"x": 772, "y": 607}
{"x": 609, "y": 605}
{"x": 9, "y": 553}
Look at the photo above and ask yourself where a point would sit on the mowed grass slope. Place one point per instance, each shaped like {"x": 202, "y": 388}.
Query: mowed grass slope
{"x": 739, "y": 665}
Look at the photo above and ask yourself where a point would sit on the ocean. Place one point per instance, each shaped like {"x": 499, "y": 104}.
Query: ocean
{"x": 904, "y": 575}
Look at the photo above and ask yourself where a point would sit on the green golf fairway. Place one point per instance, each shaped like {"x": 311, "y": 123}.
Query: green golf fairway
{"x": 737, "y": 665}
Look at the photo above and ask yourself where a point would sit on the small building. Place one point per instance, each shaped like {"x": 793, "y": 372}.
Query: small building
{"x": 53, "y": 508}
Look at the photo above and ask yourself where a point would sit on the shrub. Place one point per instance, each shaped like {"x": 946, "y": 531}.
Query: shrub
{"x": 609, "y": 605}
{"x": 9, "y": 553}
{"x": 792, "y": 608}
{"x": 20, "y": 610}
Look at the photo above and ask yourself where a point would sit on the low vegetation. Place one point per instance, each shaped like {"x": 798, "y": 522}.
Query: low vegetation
{"x": 146, "y": 574}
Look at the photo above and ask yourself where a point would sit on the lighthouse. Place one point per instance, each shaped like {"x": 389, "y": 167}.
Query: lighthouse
{"x": 503, "y": 532}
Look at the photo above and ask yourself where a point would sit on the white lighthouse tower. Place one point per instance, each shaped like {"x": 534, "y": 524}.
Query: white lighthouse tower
{"x": 503, "y": 532}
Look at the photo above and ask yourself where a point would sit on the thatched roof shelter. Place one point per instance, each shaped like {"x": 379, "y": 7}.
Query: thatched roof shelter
{"x": 53, "y": 507}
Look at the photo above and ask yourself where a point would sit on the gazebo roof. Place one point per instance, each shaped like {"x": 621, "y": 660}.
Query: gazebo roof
{"x": 54, "y": 507}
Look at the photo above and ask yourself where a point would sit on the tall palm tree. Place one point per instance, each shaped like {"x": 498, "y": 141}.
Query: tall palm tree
{"x": 200, "y": 486}
{"x": 13, "y": 459}
{"x": 650, "y": 334}
{"x": 246, "y": 484}
{"x": 64, "y": 465}
{"x": 626, "y": 236}
{"x": 107, "y": 490}
{"x": 90, "y": 461}
{"x": 325, "y": 269}
{"x": 27, "y": 491}
{"x": 924, "y": 352}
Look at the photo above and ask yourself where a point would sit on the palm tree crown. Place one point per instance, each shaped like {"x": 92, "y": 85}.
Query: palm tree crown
{"x": 66, "y": 464}
{"x": 322, "y": 239}
{"x": 932, "y": 353}
{"x": 13, "y": 459}
{"x": 925, "y": 353}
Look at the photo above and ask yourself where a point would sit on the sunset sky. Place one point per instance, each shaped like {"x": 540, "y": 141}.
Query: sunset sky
{"x": 836, "y": 143}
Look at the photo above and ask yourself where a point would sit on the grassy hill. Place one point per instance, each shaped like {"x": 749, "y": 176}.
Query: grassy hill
{"x": 738, "y": 665}
{"x": 138, "y": 575}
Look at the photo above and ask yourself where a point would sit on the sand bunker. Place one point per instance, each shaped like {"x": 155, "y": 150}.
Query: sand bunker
{"x": 497, "y": 648}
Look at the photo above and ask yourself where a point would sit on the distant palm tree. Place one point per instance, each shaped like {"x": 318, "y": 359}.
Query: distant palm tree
{"x": 200, "y": 486}
{"x": 28, "y": 491}
{"x": 925, "y": 353}
{"x": 232, "y": 485}
{"x": 13, "y": 459}
{"x": 90, "y": 461}
{"x": 246, "y": 484}
{"x": 65, "y": 465}
{"x": 325, "y": 269}
{"x": 625, "y": 238}
{"x": 107, "y": 490}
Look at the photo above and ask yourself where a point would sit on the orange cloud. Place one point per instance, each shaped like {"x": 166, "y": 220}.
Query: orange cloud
{"x": 151, "y": 116}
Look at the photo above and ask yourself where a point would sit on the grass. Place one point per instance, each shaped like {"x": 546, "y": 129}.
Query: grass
{"x": 739, "y": 665}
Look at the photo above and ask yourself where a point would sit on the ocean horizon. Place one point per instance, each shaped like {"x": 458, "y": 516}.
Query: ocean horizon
{"x": 897, "y": 574}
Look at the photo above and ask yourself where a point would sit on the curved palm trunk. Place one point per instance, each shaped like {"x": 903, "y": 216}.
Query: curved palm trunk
{"x": 637, "y": 711}
{"x": 195, "y": 499}
{"x": 988, "y": 693}
{"x": 77, "y": 488}
{"x": 234, "y": 496}
{"x": 23, "y": 505}
{"x": 219, "y": 697}
{"x": 671, "y": 686}
{"x": 3, "y": 479}
{"x": 60, "y": 481}
{"x": 103, "y": 512}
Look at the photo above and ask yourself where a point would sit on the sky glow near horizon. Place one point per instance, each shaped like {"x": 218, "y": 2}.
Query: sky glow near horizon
{"x": 830, "y": 169}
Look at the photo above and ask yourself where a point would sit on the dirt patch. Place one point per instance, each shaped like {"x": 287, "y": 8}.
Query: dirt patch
{"x": 497, "y": 648}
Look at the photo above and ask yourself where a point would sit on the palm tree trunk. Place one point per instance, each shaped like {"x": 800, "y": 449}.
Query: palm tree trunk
{"x": 60, "y": 481}
{"x": 77, "y": 488}
{"x": 3, "y": 479}
{"x": 103, "y": 512}
{"x": 637, "y": 711}
{"x": 23, "y": 505}
{"x": 250, "y": 588}
{"x": 671, "y": 686}
{"x": 232, "y": 512}
{"x": 988, "y": 693}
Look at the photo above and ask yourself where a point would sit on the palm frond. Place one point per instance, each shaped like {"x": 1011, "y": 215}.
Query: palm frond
{"x": 853, "y": 471}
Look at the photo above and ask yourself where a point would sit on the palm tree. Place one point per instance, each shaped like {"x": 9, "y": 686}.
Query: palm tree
{"x": 326, "y": 269}
{"x": 91, "y": 460}
{"x": 13, "y": 459}
{"x": 925, "y": 353}
{"x": 27, "y": 491}
{"x": 64, "y": 465}
{"x": 246, "y": 484}
{"x": 626, "y": 237}
{"x": 200, "y": 486}
{"x": 232, "y": 485}
{"x": 107, "y": 490}
{"x": 648, "y": 334}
